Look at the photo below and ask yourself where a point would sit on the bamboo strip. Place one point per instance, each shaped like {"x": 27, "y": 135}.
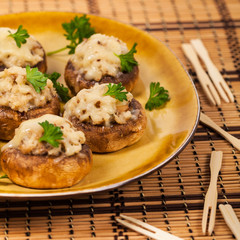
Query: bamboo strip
{"x": 184, "y": 177}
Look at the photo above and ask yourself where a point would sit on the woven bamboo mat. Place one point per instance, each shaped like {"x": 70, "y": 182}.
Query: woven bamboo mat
{"x": 172, "y": 197}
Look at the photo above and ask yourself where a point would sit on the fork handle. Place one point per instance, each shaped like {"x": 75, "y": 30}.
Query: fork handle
{"x": 204, "y": 80}
{"x": 208, "y": 121}
{"x": 215, "y": 166}
{"x": 212, "y": 70}
{"x": 202, "y": 52}
{"x": 231, "y": 219}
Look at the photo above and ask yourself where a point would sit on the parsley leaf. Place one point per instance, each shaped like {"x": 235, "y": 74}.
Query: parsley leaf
{"x": 117, "y": 91}
{"x": 19, "y": 36}
{"x": 4, "y": 176}
{"x": 51, "y": 133}
{"x": 62, "y": 91}
{"x": 158, "y": 96}
{"x": 127, "y": 60}
{"x": 36, "y": 78}
{"x": 78, "y": 29}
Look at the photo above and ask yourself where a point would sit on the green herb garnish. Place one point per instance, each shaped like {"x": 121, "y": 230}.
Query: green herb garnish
{"x": 19, "y": 36}
{"x": 158, "y": 96}
{"x": 127, "y": 60}
{"x": 4, "y": 176}
{"x": 51, "y": 133}
{"x": 62, "y": 91}
{"x": 116, "y": 91}
{"x": 78, "y": 29}
{"x": 36, "y": 78}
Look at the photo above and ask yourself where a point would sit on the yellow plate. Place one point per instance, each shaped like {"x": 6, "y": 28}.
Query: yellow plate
{"x": 168, "y": 129}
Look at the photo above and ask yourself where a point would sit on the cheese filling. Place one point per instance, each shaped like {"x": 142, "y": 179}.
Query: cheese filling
{"x": 27, "y": 136}
{"x": 18, "y": 94}
{"x": 95, "y": 57}
{"x": 29, "y": 53}
{"x": 91, "y": 105}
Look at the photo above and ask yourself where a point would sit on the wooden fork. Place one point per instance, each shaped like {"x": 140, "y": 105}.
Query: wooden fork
{"x": 212, "y": 195}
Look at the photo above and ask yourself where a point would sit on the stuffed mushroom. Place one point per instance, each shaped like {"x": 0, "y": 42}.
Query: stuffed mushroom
{"x": 23, "y": 97}
{"x": 13, "y": 53}
{"x": 109, "y": 123}
{"x": 46, "y": 152}
{"x": 97, "y": 60}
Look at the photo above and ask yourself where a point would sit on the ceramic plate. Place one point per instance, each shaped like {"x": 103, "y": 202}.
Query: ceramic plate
{"x": 168, "y": 129}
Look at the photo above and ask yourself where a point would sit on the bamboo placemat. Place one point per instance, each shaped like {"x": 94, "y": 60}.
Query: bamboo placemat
{"x": 172, "y": 197}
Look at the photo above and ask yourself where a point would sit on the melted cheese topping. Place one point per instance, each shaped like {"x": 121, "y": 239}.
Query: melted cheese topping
{"x": 90, "y": 105}
{"x": 27, "y": 136}
{"x": 18, "y": 94}
{"x": 29, "y": 53}
{"x": 95, "y": 57}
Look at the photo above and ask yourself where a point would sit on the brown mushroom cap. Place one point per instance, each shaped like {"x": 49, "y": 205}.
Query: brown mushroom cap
{"x": 11, "y": 119}
{"x": 77, "y": 82}
{"x": 43, "y": 171}
{"x": 42, "y": 66}
{"x": 108, "y": 139}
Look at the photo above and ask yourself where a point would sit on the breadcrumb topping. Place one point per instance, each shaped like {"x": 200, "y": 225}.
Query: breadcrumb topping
{"x": 29, "y": 132}
{"x": 29, "y": 53}
{"x": 18, "y": 94}
{"x": 91, "y": 105}
{"x": 95, "y": 57}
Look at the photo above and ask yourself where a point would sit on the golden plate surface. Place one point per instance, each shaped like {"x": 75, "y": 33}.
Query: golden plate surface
{"x": 168, "y": 129}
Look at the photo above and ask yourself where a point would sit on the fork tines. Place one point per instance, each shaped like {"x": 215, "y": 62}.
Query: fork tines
{"x": 145, "y": 228}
